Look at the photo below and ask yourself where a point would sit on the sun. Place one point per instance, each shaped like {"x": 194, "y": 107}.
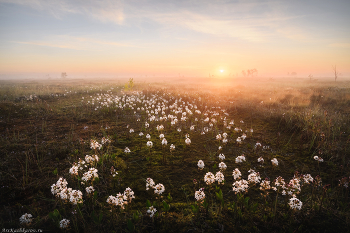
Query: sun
{"x": 221, "y": 71}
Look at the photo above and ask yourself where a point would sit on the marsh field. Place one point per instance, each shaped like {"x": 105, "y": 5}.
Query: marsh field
{"x": 182, "y": 155}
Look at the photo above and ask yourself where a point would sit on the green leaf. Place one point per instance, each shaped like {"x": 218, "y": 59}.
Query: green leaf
{"x": 148, "y": 203}
{"x": 95, "y": 195}
{"x": 55, "y": 171}
{"x": 131, "y": 226}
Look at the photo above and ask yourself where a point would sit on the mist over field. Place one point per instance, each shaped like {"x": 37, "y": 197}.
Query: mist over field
{"x": 174, "y": 116}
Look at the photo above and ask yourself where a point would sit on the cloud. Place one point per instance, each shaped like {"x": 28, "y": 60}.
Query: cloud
{"x": 102, "y": 10}
{"x": 77, "y": 43}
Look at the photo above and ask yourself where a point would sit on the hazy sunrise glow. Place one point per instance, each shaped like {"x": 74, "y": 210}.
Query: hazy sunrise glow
{"x": 175, "y": 38}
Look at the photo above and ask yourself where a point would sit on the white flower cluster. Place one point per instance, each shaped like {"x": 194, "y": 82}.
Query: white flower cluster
{"x": 318, "y": 159}
{"x": 64, "y": 223}
{"x": 89, "y": 189}
{"x": 60, "y": 190}
{"x": 295, "y": 203}
{"x": 274, "y": 162}
{"x": 200, "y": 164}
{"x": 265, "y": 185}
{"x": 26, "y": 219}
{"x": 121, "y": 199}
{"x": 240, "y": 186}
{"x": 240, "y": 159}
{"x": 222, "y": 166}
{"x": 219, "y": 177}
{"x": 90, "y": 175}
{"x": 236, "y": 174}
{"x": 159, "y": 189}
{"x": 95, "y": 145}
{"x": 151, "y": 211}
{"x": 221, "y": 157}
{"x": 209, "y": 178}
{"x": 150, "y": 183}
{"x": 105, "y": 140}
{"x": 199, "y": 195}
{"x": 254, "y": 177}
{"x": 127, "y": 150}
{"x": 91, "y": 159}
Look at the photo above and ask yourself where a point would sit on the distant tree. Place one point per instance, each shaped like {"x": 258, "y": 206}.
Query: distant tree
{"x": 336, "y": 73}
{"x": 63, "y": 75}
{"x": 244, "y": 74}
{"x": 310, "y": 77}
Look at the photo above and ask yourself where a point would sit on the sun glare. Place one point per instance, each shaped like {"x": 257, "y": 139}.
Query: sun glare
{"x": 221, "y": 71}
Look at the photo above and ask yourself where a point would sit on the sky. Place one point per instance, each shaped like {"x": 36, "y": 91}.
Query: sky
{"x": 175, "y": 38}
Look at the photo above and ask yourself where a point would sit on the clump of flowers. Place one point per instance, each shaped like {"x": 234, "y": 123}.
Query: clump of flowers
{"x": 95, "y": 145}
{"x": 64, "y": 223}
{"x": 308, "y": 179}
{"x": 254, "y": 177}
{"x": 149, "y": 183}
{"x": 200, "y": 164}
{"x": 90, "y": 175}
{"x": 318, "y": 159}
{"x": 274, "y": 162}
{"x": 222, "y": 166}
{"x": 127, "y": 150}
{"x": 265, "y": 186}
{"x": 209, "y": 178}
{"x": 26, "y": 219}
{"x": 151, "y": 211}
{"x": 219, "y": 177}
{"x": 129, "y": 194}
{"x": 89, "y": 189}
{"x": 199, "y": 195}
{"x": 236, "y": 174}
{"x": 240, "y": 186}
{"x": 295, "y": 203}
{"x": 149, "y": 144}
{"x": 91, "y": 159}
{"x": 159, "y": 189}
{"x": 240, "y": 159}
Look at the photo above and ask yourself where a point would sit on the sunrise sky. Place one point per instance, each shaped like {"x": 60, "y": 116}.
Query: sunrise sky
{"x": 168, "y": 38}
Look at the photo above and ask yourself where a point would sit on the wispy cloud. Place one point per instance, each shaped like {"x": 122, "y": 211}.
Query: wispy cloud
{"x": 102, "y": 10}
{"x": 77, "y": 43}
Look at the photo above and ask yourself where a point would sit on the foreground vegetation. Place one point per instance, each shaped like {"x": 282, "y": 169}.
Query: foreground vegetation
{"x": 206, "y": 156}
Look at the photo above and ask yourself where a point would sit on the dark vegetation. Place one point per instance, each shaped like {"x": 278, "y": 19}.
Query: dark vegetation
{"x": 46, "y": 126}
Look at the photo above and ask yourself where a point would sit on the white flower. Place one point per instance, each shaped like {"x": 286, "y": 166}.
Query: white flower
{"x": 149, "y": 183}
{"x": 221, "y": 157}
{"x": 26, "y": 219}
{"x": 172, "y": 147}
{"x": 131, "y": 130}
{"x": 140, "y": 134}
{"x": 222, "y": 166}
{"x": 149, "y": 144}
{"x": 74, "y": 170}
{"x": 164, "y": 141}
{"x": 209, "y": 178}
{"x": 219, "y": 177}
{"x": 127, "y": 150}
{"x": 240, "y": 159}
{"x": 159, "y": 189}
{"x": 319, "y": 159}
{"x": 161, "y": 136}
{"x": 192, "y": 127}
{"x": 254, "y": 177}
{"x": 90, "y": 189}
{"x": 218, "y": 137}
{"x": 236, "y": 173}
{"x": 129, "y": 194}
{"x": 151, "y": 211}
{"x": 200, "y": 164}
{"x": 239, "y": 140}
{"x": 274, "y": 162}
{"x": 224, "y": 135}
{"x": 308, "y": 178}
{"x": 148, "y": 136}
{"x": 64, "y": 223}
{"x": 240, "y": 186}
{"x": 199, "y": 195}
{"x": 295, "y": 203}
{"x": 260, "y": 160}
{"x": 188, "y": 141}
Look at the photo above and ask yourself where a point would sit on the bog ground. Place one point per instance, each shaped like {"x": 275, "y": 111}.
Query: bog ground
{"x": 196, "y": 155}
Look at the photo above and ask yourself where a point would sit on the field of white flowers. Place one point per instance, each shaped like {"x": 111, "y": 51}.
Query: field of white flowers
{"x": 172, "y": 158}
